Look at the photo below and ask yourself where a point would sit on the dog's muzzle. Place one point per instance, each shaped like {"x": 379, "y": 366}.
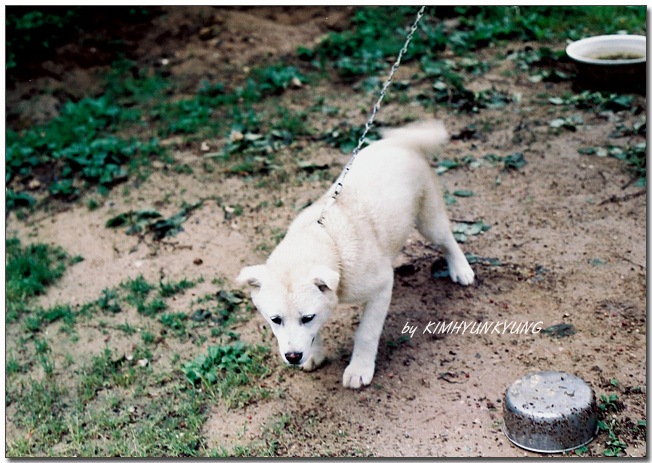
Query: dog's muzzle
{"x": 294, "y": 357}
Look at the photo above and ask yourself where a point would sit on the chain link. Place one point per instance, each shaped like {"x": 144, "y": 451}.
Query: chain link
{"x": 340, "y": 181}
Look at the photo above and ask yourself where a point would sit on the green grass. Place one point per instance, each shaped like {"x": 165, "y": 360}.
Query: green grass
{"x": 176, "y": 322}
{"x": 362, "y": 49}
{"x": 78, "y": 147}
{"x": 116, "y": 402}
{"x": 634, "y": 157}
{"x": 107, "y": 413}
{"x": 170, "y": 288}
{"x": 223, "y": 308}
{"x": 138, "y": 289}
{"x": 38, "y": 319}
{"x": 109, "y": 301}
{"x": 82, "y": 148}
{"x": 202, "y": 115}
{"x": 30, "y": 271}
{"x": 481, "y": 26}
{"x": 615, "y": 446}
{"x": 106, "y": 370}
{"x": 152, "y": 307}
{"x": 231, "y": 373}
{"x": 99, "y": 157}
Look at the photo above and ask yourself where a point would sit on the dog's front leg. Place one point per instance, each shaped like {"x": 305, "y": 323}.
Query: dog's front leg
{"x": 365, "y": 345}
{"x": 317, "y": 357}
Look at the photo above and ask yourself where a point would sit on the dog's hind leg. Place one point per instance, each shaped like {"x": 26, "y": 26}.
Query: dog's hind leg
{"x": 433, "y": 224}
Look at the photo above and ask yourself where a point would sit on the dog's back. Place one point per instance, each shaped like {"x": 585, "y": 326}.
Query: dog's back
{"x": 388, "y": 182}
{"x": 381, "y": 200}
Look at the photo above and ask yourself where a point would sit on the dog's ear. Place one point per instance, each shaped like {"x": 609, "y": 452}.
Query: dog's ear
{"x": 252, "y": 276}
{"x": 325, "y": 279}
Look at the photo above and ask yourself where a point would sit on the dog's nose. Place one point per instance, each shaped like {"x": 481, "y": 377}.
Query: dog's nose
{"x": 294, "y": 357}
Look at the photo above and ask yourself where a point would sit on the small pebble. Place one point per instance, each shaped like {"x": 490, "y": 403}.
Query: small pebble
{"x": 236, "y": 136}
{"x": 295, "y": 82}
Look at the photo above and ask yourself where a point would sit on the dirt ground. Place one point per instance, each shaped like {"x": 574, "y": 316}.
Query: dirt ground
{"x": 569, "y": 231}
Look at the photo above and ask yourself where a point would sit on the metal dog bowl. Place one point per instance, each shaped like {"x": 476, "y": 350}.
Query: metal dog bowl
{"x": 550, "y": 412}
{"x": 610, "y": 59}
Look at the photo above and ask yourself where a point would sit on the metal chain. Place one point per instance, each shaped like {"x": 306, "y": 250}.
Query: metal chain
{"x": 340, "y": 181}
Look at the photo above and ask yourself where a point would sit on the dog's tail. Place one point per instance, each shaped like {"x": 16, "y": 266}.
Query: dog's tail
{"x": 423, "y": 136}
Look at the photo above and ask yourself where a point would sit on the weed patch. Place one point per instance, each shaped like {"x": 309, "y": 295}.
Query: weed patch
{"x": 109, "y": 301}
{"x": 77, "y": 144}
{"x": 231, "y": 373}
{"x": 202, "y": 115}
{"x": 149, "y": 221}
{"x": 59, "y": 312}
{"x": 176, "y": 322}
{"x": 137, "y": 292}
{"x": 450, "y": 91}
{"x": 107, "y": 413}
{"x": 597, "y": 101}
{"x": 462, "y": 230}
{"x": 481, "y": 26}
{"x": 169, "y": 288}
{"x": 362, "y": 49}
{"x": 30, "y": 271}
{"x": 346, "y": 137}
{"x": 105, "y": 371}
{"x": 274, "y": 80}
{"x": 444, "y": 165}
{"x": 615, "y": 447}
{"x": 39, "y": 408}
{"x": 635, "y": 157}
{"x": 223, "y": 309}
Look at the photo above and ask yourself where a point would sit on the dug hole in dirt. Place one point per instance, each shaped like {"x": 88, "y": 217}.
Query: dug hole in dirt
{"x": 565, "y": 245}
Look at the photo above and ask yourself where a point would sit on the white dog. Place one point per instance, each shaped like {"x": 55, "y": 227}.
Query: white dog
{"x": 348, "y": 259}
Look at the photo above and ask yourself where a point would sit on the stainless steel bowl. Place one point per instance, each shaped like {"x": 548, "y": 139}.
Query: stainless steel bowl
{"x": 550, "y": 412}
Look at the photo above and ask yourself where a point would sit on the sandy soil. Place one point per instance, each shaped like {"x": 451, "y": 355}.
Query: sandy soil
{"x": 568, "y": 230}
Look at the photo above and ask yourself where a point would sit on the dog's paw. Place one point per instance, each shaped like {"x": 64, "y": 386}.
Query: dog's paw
{"x": 356, "y": 376}
{"x": 315, "y": 361}
{"x": 461, "y": 272}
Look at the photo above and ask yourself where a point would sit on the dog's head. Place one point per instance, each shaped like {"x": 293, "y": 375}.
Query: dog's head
{"x": 295, "y": 305}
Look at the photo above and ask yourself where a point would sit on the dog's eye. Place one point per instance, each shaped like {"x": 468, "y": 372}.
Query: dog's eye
{"x": 307, "y": 319}
{"x": 276, "y": 319}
